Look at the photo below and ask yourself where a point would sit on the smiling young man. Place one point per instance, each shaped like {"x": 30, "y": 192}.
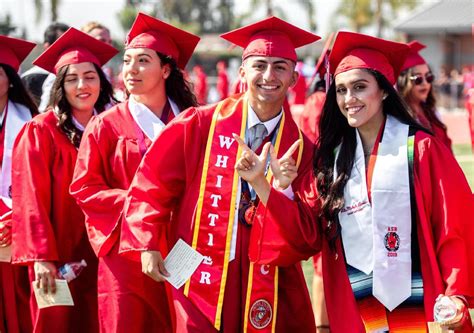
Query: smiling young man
{"x": 187, "y": 183}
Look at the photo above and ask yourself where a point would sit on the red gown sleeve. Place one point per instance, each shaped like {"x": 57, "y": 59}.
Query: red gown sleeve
{"x": 159, "y": 183}
{"x": 447, "y": 205}
{"x": 102, "y": 205}
{"x": 287, "y": 231}
{"x": 33, "y": 235}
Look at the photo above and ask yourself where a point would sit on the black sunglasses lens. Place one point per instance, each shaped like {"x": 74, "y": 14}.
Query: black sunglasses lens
{"x": 429, "y": 77}
{"x": 418, "y": 80}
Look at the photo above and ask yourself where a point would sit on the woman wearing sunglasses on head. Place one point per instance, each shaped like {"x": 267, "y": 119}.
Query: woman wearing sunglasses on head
{"x": 389, "y": 219}
{"x": 415, "y": 85}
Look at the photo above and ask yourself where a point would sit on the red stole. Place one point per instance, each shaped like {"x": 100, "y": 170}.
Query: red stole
{"x": 214, "y": 220}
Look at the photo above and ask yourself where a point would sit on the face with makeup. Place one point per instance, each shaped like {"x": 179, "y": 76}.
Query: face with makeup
{"x": 82, "y": 86}
{"x": 143, "y": 73}
{"x": 419, "y": 92}
{"x": 359, "y": 98}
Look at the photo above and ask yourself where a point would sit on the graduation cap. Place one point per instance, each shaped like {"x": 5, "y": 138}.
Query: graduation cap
{"x": 151, "y": 33}
{"x": 353, "y": 50}
{"x": 74, "y": 47}
{"x": 414, "y": 58}
{"x": 271, "y": 37}
{"x": 322, "y": 66}
{"x": 13, "y": 51}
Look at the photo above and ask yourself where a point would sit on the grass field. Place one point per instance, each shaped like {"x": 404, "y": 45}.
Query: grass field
{"x": 465, "y": 158}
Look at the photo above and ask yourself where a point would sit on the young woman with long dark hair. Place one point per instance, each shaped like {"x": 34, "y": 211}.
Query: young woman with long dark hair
{"x": 49, "y": 228}
{"x": 112, "y": 148}
{"x": 16, "y": 108}
{"x": 416, "y": 88}
{"x": 386, "y": 203}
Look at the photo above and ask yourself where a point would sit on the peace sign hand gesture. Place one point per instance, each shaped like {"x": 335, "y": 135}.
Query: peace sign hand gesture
{"x": 284, "y": 169}
{"x": 250, "y": 166}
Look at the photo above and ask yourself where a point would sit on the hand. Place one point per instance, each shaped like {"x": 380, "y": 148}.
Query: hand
{"x": 45, "y": 274}
{"x": 461, "y": 315}
{"x": 250, "y": 166}
{"x": 153, "y": 265}
{"x": 284, "y": 169}
{"x": 5, "y": 233}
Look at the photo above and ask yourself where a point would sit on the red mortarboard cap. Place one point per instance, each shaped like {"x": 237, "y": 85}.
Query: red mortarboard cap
{"x": 353, "y": 50}
{"x": 320, "y": 65}
{"x": 414, "y": 58}
{"x": 13, "y": 51}
{"x": 74, "y": 47}
{"x": 271, "y": 37}
{"x": 151, "y": 33}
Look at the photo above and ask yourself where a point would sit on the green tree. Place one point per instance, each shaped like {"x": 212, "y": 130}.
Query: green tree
{"x": 271, "y": 9}
{"x": 389, "y": 8}
{"x": 126, "y": 16}
{"x": 359, "y": 13}
{"x": 198, "y": 16}
{"x": 363, "y": 13}
{"x": 54, "y": 6}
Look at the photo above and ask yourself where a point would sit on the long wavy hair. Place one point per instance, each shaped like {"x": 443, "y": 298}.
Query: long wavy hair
{"x": 63, "y": 110}
{"x": 405, "y": 85}
{"x": 17, "y": 92}
{"x": 334, "y": 131}
{"x": 177, "y": 87}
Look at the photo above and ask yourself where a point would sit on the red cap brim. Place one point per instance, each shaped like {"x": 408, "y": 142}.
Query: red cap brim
{"x": 14, "y": 50}
{"x": 353, "y": 50}
{"x": 149, "y": 32}
{"x": 320, "y": 65}
{"x": 74, "y": 47}
{"x": 271, "y": 37}
{"x": 414, "y": 58}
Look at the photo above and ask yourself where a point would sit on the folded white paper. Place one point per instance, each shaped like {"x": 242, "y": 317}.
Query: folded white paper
{"x": 62, "y": 296}
{"x": 181, "y": 263}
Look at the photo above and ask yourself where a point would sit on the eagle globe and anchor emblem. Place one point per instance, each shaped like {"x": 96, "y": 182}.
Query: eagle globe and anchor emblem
{"x": 260, "y": 314}
{"x": 392, "y": 241}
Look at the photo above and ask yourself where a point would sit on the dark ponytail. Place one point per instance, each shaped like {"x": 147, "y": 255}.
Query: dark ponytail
{"x": 177, "y": 87}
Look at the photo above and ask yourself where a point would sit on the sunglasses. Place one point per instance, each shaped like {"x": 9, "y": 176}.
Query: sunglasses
{"x": 418, "y": 79}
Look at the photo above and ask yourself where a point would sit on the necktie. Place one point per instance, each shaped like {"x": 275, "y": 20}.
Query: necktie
{"x": 257, "y": 133}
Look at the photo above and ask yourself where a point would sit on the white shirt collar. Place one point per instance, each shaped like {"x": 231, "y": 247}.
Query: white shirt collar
{"x": 148, "y": 122}
{"x": 78, "y": 124}
{"x": 253, "y": 120}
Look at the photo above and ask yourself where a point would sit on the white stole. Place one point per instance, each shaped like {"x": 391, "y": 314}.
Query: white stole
{"x": 16, "y": 117}
{"x": 377, "y": 237}
{"x": 148, "y": 122}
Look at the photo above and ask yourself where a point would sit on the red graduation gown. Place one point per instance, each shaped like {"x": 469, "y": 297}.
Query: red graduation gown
{"x": 48, "y": 224}
{"x": 311, "y": 115}
{"x": 222, "y": 85}
{"x": 165, "y": 192}
{"x": 298, "y": 92}
{"x": 444, "y": 201}
{"x": 109, "y": 154}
